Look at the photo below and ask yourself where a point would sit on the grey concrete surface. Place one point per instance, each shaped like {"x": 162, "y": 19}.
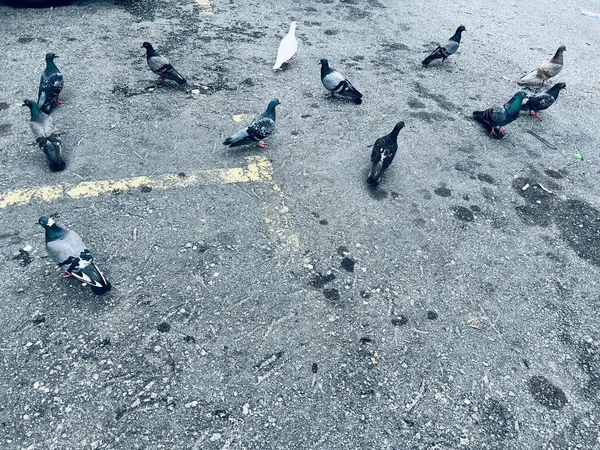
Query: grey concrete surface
{"x": 450, "y": 309}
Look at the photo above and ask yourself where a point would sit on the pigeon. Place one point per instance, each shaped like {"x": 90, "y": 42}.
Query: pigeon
{"x": 51, "y": 83}
{"x": 261, "y": 127}
{"x": 337, "y": 84}
{"x": 383, "y": 154}
{"x": 45, "y": 136}
{"x": 495, "y": 118}
{"x": 539, "y": 102}
{"x": 545, "y": 71}
{"x": 444, "y": 51}
{"x": 68, "y": 251}
{"x": 287, "y": 48}
{"x": 161, "y": 66}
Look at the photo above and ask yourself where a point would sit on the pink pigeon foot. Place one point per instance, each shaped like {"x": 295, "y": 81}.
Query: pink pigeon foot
{"x": 61, "y": 102}
{"x": 261, "y": 144}
{"x": 534, "y": 114}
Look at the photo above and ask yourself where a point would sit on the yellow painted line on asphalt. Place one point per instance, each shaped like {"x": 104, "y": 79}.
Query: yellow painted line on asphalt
{"x": 258, "y": 170}
{"x": 205, "y": 6}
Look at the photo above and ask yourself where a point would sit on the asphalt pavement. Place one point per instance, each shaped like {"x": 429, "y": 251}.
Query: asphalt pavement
{"x": 268, "y": 299}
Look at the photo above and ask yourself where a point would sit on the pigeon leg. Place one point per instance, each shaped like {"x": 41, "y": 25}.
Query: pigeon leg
{"x": 160, "y": 80}
{"x": 60, "y": 102}
{"x": 67, "y": 275}
{"x": 544, "y": 83}
{"x": 289, "y": 61}
{"x": 444, "y": 62}
{"x": 261, "y": 144}
{"x": 502, "y": 132}
{"x": 534, "y": 114}
{"x": 449, "y": 59}
{"x": 328, "y": 95}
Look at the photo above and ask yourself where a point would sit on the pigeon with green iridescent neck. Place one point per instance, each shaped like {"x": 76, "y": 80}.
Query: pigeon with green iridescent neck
{"x": 67, "y": 250}
{"x": 495, "y": 118}
{"x": 46, "y": 136}
{"x": 51, "y": 83}
{"x": 444, "y": 52}
{"x": 260, "y": 128}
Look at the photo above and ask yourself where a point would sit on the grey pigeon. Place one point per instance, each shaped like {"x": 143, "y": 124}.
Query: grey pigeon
{"x": 46, "y": 137}
{"x": 444, "y": 51}
{"x": 161, "y": 66}
{"x": 546, "y": 71}
{"x": 383, "y": 153}
{"x": 337, "y": 84}
{"x": 51, "y": 83}
{"x": 68, "y": 251}
{"x": 539, "y": 102}
{"x": 495, "y": 118}
{"x": 261, "y": 127}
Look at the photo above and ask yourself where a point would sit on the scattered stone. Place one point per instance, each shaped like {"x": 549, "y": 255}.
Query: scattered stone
{"x": 399, "y": 320}
{"x": 432, "y": 315}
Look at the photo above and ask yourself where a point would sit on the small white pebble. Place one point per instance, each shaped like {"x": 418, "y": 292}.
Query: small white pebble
{"x": 215, "y": 437}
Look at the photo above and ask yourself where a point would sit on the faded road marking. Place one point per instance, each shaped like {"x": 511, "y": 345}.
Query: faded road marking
{"x": 258, "y": 170}
{"x": 205, "y": 6}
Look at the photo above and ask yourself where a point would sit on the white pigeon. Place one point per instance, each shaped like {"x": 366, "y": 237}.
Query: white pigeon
{"x": 287, "y": 48}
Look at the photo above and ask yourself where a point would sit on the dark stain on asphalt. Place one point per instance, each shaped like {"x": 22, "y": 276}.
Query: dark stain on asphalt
{"x": 377, "y": 194}
{"x": 440, "y": 99}
{"x": 467, "y": 165}
{"x": 425, "y": 194}
{"x": 475, "y": 208}
{"x": 5, "y": 128}
{"x": 323, "y": 222}
{"x": 319, "y": 281}
{"x": 579, "y": 225}
{"x": 432, "y": 315}
{"x": 267, "y": 363}
{"x": 431, "y": 117}
{"x": 394, "y": 46}
{"x": 3, "y": 106}
{"x": 443, "y": 191}
{"x": 497, "y": 420}
{"x": 578, "y": 221}
{"x": 332, "y": 294}
{"x": 588, "y": 359}
{"x": 164, "y": 327}
{"x": 416, "y": 104}
{"x": 553, "y": 173}
{"x": 395, "y": 195}
{"x": 546, "y": 393}
{"x": 485, "y": 177}
{"x": 330, "y": 32}
{"x": 142, "y": 9}
{"x": 145, "y": 188}
{"x": 348, "y": 264}
{"x": 25, "y": 39}
{"x": 462, "y": 213}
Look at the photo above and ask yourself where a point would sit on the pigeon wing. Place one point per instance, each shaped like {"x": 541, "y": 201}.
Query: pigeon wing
{"x": 287, "y": 49}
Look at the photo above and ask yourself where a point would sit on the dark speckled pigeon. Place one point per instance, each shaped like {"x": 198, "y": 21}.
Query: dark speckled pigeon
{"x": 51, "y": 83}
{"x": 383, "y": 153}
{"x": 337, "y": 84}
{"x": 444, "y": 51}
{"x": 539, "y": 102}
{"x": 495, "y": 118}
{"x": 45, "y": 136}
{"x": 68, "y": 251}
{"x": 261, "y": 127}
{"x": 161, "y": 66}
